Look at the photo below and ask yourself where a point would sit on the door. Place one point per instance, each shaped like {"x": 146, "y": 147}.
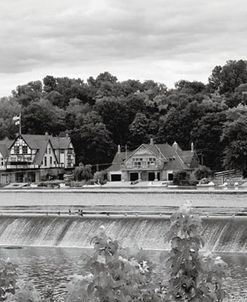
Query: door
{"x": 133, "y": 176}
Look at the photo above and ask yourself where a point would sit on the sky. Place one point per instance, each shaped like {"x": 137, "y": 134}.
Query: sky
{"x": 162, "y": 40}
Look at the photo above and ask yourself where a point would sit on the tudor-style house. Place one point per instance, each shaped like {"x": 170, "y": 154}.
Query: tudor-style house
{"x": 31, "y": 158}
{"x": 150, "y": 162}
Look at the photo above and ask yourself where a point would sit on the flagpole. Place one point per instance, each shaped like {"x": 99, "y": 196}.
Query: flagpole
{"x": 20, "y": 125}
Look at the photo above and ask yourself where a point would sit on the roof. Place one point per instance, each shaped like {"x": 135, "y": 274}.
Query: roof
{"x": 60, "y": 142}
{"x": 35, "y": 141}
{"x": 187, "y": 156}
{"x": 4, "y": 145}
{"x": 3, "y": 150}
{"x": 38, "y": 142}
{"x": 118, "y": 160}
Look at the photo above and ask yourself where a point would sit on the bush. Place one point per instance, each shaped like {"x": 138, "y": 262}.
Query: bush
{"x": 100, "y": 177}
{"x": 202, "y": 172}
{"x": 116, "y": 276}
{"x": 184, "y": 178}
{"x": 83, "y": 172}
{"x": 8, "y": 275}
{"x": 193, "y": 277}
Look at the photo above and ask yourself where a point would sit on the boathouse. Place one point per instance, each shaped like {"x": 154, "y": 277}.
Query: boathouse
{"x": 32, "y": 158}
{"x": 152, "y": 162}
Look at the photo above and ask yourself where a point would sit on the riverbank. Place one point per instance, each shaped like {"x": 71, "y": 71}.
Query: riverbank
{"x": 127, "y": 190}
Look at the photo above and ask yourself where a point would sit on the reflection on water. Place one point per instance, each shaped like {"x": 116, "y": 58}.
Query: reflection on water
{"x": 54, "y": 268}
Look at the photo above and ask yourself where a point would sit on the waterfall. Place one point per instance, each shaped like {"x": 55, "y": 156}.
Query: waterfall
{"x": 221, "y": 235}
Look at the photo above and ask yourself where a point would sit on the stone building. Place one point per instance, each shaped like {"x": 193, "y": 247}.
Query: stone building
{"x": 152, "y": 162}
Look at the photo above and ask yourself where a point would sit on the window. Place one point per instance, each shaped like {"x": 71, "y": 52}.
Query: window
{"x": 16, "y": 150}
{"x": 137, "y": 162}
{"x": 24, "y": 149}
{"x": 45, "y": 160}
{"x": 50, "y": 161}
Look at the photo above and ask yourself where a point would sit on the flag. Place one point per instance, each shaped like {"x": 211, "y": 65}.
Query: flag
{"x": 17, "y": 119}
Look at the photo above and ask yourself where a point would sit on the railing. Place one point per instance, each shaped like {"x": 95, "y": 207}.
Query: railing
{"x": 20, "y": 158}
{"x": 142, "y": 167}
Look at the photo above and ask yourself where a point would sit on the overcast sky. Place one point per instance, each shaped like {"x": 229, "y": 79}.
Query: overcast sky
{"x": 163, "y": 40}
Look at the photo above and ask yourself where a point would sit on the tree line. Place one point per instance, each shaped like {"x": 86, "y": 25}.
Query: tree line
{"x": 103, "y": 112}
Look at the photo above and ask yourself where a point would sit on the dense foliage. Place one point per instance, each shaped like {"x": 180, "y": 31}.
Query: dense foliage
{"x": 8, "y": 276}
{"x": 103, "y": 112}
{"x": 193, "y": 276}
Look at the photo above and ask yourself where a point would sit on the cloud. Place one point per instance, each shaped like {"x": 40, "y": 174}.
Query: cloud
{"x": 162, "y": 39}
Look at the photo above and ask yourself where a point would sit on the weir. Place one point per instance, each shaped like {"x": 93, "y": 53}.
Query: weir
{"x": 220, "y": 234}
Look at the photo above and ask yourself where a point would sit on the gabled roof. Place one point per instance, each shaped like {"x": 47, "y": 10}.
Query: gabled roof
{"x": 35, "y": 141}
{"x": 118, "y": 160}
{"x": 60, "y": 142}
{"x": 187, "y": 156}
{"x": 39, "y": 143}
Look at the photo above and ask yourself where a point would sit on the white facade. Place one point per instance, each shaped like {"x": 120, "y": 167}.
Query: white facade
{"x": 49, "y": 159}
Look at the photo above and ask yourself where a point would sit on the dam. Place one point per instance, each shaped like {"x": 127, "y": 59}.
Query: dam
{"x": 221, "y": 234}
{"x": 43, "y": 233}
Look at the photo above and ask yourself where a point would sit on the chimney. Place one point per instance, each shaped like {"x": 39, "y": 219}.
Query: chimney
{"x": 151, "y": 141}
{"x": 118, "y": 149}
{"x": 192, "y": 147}
{"x": 175, "y": 146}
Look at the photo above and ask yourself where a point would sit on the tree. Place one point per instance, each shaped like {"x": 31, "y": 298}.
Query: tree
{"x": 227, "y": 78}
{"x": 234, "y": 136}
{"x": 40, "y": 117}
{"x": 49, "y": 83}
{"x": 206, "y": 136}
{"x": 115, "y": 116}
{"x": 75, "y": 113}
{"x": 138, "y": 131}
{"x": 92, "y": 141}
{"x": 30, "y": 92}
{"x": 8, "y": 109}
{"x": 190, "y": 87}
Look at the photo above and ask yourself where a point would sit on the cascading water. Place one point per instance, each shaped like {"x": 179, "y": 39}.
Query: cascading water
{"x": 221, "y": 235}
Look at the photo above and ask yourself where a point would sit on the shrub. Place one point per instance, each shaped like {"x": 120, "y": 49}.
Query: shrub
{"x": 193, "y": 277}
{"x": 183, "y": 178}
{"x": 202, "y": 172}
{"x": 100, "y": 177}
{"x": 8, "y": 277}
{"x": 118, "y": 277}
{"x": 83, "y": 172}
